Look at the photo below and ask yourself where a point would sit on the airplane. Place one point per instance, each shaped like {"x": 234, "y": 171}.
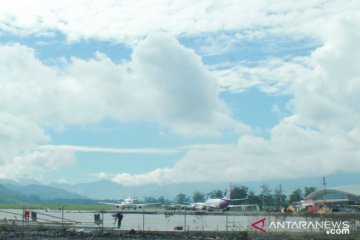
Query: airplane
{"x": 212, "y": 204}
{"x": 128, "y": 203}
{"x": 222, "y": 203}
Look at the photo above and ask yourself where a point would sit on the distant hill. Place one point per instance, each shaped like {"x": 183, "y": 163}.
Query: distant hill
{"x": 21, "y": 181}
{"x": 42, "y": 192}
{"x": 96, "y": 190}
{"x": 105, "y": 189}
{"x": 7, "y": 196}
{"x": 109, "y": 190}
{"x": 35, "y": 193}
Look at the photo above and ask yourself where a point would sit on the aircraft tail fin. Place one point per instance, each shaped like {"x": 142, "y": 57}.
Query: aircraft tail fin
{"x": 228, "y": 194}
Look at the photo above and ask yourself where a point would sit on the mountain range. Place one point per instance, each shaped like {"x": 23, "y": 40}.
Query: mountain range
{"x": 18, "y": 192}
{"x": 104, "y": 189}
{"x": 27, "y": 189}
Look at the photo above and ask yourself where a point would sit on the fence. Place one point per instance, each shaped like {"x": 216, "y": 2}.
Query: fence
{"x": 23, "y": 221}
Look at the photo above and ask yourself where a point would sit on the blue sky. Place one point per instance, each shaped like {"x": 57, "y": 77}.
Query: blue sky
{"x": 161, "y": 92}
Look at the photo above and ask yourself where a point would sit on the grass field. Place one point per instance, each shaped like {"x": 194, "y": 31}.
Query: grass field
{"x": 97, "y": 207}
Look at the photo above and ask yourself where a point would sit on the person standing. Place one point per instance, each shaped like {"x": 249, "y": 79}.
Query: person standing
{"x": 119, "y": 217}
{"x": 27, "y": 214}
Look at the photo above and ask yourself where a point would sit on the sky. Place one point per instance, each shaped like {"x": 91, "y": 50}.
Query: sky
{"x": 166, "y": 91}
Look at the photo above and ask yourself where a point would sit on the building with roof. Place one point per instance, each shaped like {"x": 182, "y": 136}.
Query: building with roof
{"x": 334, "y": 196}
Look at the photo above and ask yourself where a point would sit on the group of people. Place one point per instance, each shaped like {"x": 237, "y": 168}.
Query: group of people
{"x": 117, "y": 217}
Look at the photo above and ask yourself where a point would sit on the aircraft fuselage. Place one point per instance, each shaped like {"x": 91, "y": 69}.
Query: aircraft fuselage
{"x": 217, "y": 203}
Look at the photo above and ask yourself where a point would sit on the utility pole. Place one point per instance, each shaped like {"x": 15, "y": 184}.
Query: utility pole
{"x": 280, "y": 193}
{"x": 324, "y": 185}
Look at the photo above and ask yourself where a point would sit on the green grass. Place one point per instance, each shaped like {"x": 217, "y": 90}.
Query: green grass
{"x": 53, "y": 206}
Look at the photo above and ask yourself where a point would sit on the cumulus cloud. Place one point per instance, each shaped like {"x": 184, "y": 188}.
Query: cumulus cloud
{"x": 292, "y": 152}
{"x": 163, "y": 175}
{"x": 35, "y": 164}
{"x": 320, "y": 137}
{"x": 329, "y": 99}
{"x": 163, "y": 82}
{"x": 18, "y": 133}
{"x": 23, "y": 100}
{"x": 129, "y": 21}
{"x": 167, "y": 83}
{"x": 180, "y": 91}
{"x": 125, "y": 20}
{"x": 271, "y": 76}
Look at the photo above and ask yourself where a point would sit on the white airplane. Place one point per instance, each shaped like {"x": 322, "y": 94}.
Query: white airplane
{"x": 221, "y": 203}
{"x": 214, "y": 203}
{"x": 128, "y": 203}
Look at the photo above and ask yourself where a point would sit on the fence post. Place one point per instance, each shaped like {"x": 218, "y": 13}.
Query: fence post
{"x": 23, "y": 224}
{"x": 226, "y": 221}
{"x": 185, "y": 220}
{"x": 102, "y": 221}
{"x": 143, "y": 220}
{"x": 62, "y": 218}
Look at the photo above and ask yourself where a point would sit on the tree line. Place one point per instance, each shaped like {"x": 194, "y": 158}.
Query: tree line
{"x": 266, "y": 199}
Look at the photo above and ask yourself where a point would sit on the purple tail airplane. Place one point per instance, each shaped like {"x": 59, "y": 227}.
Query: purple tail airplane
{"x": 221, "y": 203}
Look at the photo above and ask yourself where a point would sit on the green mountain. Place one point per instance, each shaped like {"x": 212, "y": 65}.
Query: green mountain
{"x": 7, "y": 196}
{"x": 35, "y": 193}
{"x": 42, "y": 192}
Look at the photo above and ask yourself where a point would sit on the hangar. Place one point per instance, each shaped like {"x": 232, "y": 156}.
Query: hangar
{"x": 335, "y": 196}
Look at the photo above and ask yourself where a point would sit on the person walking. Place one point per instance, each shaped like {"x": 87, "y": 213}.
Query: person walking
{"x": 119, "y": 217}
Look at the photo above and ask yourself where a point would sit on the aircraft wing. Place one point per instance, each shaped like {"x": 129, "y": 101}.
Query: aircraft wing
{"x": 112, "y": 204}
{"x": 173, "y": 206}
{"x": 145, "y": 204}
{"x": 242, "y": 205}
{"x": 245, "y": 206}
{"x": 239, "y": 199}
{"x": 235, "y": 206}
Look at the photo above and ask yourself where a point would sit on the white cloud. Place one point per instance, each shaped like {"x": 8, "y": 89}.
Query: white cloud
{"x": 180, "y": 91}
{"x": 156, "y": 176}
{"x": 17, "y": 132}
{"x": 217, "y": 44}
{"x": 328, "y": 99}
{"x": 126, "y": 20}
{"x": 103, "y": 175}
{"x": 164, "y": 83}
{"x": 27, "y": 91}
{"x": 72, "y": 148}
{"x": 35, "y": 164}
{"x": 292, "y": 152}
{"x": 272, "y": 76}
{"x": 129, "y": 21}
{"x": 61, "y": 181}
{"x": 320, "y": 138}
{"x": 167, "y": 83}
